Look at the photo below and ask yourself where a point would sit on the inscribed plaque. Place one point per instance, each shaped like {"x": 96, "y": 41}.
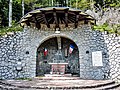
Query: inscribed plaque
{"x": 97, "y": 58}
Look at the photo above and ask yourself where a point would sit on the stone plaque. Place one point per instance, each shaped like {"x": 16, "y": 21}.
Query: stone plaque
{"x": 97, "y": 58}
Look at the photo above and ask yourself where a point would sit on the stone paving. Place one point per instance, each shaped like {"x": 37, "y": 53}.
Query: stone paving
{"x": 64, "y": 83}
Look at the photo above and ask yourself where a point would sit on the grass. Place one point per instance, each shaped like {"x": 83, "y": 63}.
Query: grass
{"x": 29, "y": 79}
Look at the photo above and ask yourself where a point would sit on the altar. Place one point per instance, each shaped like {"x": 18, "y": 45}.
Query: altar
{"x": 58, "y": 68}
{"x": 58, "y": 63}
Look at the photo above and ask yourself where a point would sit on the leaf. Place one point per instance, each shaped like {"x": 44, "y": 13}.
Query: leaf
{"x": 112, "y": 5}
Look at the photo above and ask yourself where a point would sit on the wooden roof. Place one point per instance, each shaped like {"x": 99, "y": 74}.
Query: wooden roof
{"x": 55, "y": 16}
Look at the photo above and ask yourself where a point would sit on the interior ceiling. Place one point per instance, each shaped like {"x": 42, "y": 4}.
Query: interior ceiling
{"x": 55, "y": 16}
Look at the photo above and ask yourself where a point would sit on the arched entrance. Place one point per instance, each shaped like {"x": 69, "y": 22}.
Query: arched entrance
{"x": 46, "y": 53}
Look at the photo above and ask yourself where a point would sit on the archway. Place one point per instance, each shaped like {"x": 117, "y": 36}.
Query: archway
{"x": 52, "y": 45}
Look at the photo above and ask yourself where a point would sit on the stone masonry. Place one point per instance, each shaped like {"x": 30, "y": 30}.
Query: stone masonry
{"x": 21, "y": 47}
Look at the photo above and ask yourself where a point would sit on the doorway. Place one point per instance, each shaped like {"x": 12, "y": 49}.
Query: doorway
{"x": 46, "y": 53}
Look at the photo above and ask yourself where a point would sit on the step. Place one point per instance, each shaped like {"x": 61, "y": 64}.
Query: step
{"x": 58, "y": 75}
{"x": 108, "y": 87}
{"x": 5, "y": 87}
{"x": 45, "y": 85}
{"x": 57, "y": 78}
{"x": 60, "y": 84}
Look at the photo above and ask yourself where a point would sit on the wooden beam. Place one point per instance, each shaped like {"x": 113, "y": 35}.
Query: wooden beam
{"x": 45, "y": 20}
{"x": 72, "y": 12}
{"x": 69, "y": 21}
{"x": 55, "y": 17}
{"x": 66, "y": 17}
{"x": 76, "y": 20}
{"x": 27, "y": 23}
{"x": 37, "y": 24}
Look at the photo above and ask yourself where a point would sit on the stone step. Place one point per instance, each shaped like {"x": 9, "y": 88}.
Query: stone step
{"x": 5, "y": 87}
{"x": 105, "y": 86}
{"x": 59, "y": 85}
{"x": 109, "y": 87}
{"x": 57, "y": 78}
{"x": 58, "y": 75}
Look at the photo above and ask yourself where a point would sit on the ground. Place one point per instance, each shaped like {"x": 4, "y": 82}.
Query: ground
{"x": 59, "y": 83}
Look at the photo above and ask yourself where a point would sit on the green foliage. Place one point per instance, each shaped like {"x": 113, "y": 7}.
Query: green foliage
{"x": 32, "y": 4}
{"x": 106, "y": 27}
{"x": 16, "y": 11}
{"x": 6, "y": 30}
{"x": 112, "y": 3}
{"x": 108, "y": 3}
{"x": 29, "y": 1}
{"x": 29, "y": 79}
{"x": 83, "y": 4}
{"x": 4, "y": 12}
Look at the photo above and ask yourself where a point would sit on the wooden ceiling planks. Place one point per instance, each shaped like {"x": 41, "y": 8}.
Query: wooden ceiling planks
{"x": 56, "y": 16}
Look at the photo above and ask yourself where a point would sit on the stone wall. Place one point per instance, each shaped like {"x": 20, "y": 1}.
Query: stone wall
{"x": 22, "y": 47}
{"x": 10, "y": 49}
{"x": 113, "y": 43}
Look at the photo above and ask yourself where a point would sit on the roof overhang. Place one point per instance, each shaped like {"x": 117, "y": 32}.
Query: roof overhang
{"x": 55, "y": 17}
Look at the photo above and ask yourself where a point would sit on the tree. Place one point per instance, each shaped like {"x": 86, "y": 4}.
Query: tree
{"x": 23, "y": 8}
{"x": 16, "y": 11}
{"x": 10, "y": 13}
{"x": 3, "y": 13}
